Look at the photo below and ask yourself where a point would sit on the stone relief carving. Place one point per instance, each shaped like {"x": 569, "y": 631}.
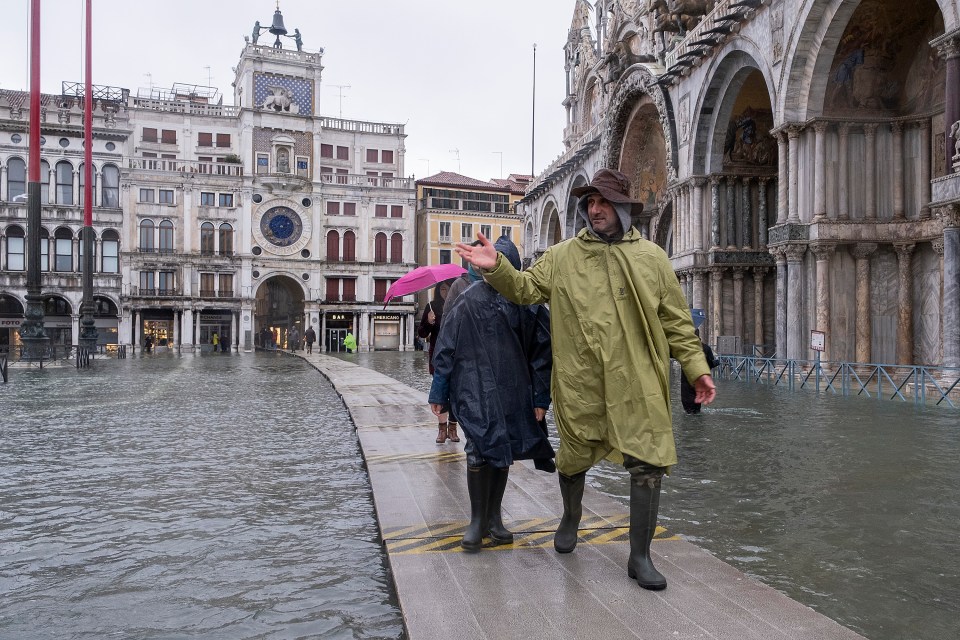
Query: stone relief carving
{"x": 280, "y": 100}
{"x": 637, "y": 83}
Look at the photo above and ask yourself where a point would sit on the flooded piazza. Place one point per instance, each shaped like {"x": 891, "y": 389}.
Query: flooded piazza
{"x": 225, "y": 496}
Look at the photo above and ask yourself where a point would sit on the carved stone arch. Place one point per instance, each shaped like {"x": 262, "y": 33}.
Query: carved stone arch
{"x": 637, "y": 83}
{"x": 551, "y": 227}
{"x": 811, "y": 47}
{"x": 727, "y": 77}
{"x": 662, "y": 229}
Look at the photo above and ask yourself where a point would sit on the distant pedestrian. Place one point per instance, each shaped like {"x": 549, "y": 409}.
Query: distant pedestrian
{"x": 350, "y": 342}
{"x": 293, "y": 339}
{"x": 429, "y": 329}
{"x": 310, "y": 336}
{"x": 215, "y": 341}
{"x": 688, "y": 393}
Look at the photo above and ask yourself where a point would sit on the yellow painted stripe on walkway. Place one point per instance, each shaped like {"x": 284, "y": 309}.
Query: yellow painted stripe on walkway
{"x": 440, "y": 456}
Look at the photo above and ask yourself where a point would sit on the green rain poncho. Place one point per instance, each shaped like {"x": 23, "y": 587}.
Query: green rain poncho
{"x": 617, "y": 315}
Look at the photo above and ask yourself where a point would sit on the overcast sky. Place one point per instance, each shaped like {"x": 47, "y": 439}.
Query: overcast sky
{"x": 458, "y": 73}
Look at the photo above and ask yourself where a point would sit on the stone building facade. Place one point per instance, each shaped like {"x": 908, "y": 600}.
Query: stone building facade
{"x": 795, "y": 158}
{"x": 244, "y": 220}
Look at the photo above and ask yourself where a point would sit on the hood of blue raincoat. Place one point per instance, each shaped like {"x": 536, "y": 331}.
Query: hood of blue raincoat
{"x": 509, "y": 250}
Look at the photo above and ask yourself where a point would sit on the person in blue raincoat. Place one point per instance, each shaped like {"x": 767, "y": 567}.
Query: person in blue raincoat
{"x": 492, "y": 365}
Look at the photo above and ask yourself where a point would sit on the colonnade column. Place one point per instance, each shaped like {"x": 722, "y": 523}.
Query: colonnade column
{"x": 905, "y": 303}
{"x": 843, "y": 188}
{"x": 234, "y": 330}
{"x": 715, "y": 212}
{"x": 793, "y": 211}
{"x": 758, "y": 275}
{"x": 716, "y": 302}
{"x": 820, "y": 172}
{"x": 675, "y": 197}
{"x": 177, "y": 318}
{"x": 688, "y": 216}
{"x": 731, "y": 213}
{"x": 699, "y": 288}
{"x": 951, "y": 286}
{"x": 781, "y": 315}
{"x": 924, "y": 132}
{"x": 322, "y": 338}
{"x": 762, "y": 213}
{"x": 187, "y": 339}
{"x": 697, "y": 213}
{"x": 822, "y": 252}
{"x": 864, "y": 347}
{"x": 738, "y": 302}
{"x": 783, "y": 179}
{"x": 870, "y": 171}
{"x": 746, "y": 219}
{"x": 74, "y": 329}
{"x": 897, "y": 128}
{"x": 794, "y": 316}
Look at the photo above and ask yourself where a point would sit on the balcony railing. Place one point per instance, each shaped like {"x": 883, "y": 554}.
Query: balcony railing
{"x": 208, "y": 293}
{"x": 363, "y": 181}
{"x": 173, "y": 165}
{"x": 360, "y": 126}
{"x": 147, "y": 292}
{"x": 181, "y": 106}
{"x": 473, "y": 206}
{"x": 164, "y": 250}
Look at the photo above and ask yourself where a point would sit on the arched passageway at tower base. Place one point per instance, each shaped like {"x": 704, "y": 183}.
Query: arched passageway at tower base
{"x": 279, "y": 308}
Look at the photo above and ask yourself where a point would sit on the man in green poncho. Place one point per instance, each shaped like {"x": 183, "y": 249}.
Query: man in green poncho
{"x": 617, "y": 316}
{"x": 350, "y": 342}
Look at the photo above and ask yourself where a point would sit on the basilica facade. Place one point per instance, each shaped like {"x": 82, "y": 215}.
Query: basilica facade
{"x": 245, "y": 221}
{"x": 795, "y": 159}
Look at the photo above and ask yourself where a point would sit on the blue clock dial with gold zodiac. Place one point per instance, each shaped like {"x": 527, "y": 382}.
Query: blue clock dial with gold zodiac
{"x": 281, "y": 226}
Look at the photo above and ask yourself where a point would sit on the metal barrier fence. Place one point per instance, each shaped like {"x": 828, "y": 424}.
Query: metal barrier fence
{"x": 918, "y": 384}
{"x": 3, "y": 367}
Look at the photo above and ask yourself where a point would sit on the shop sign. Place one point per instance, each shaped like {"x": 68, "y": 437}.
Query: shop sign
{"x": 386, "y": 318}
{"x": 214, "y": 318}
{"x": 338, "y": 316}
{"x": 10, "y": 322}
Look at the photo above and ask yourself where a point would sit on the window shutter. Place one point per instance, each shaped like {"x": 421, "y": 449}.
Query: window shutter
{"x": 349, "y": 289}
{"x": 386, "y": 156}
{"x": 204, "y": 139}
{"x": 168, "y": 136}
{"x": 373, "y": 155}
{"x": 223, "y": 139}
{"x": 326, "y": 150}
{"x": 396, "y": 211}
{"x": 381, "y": 211}
{"x": 333, "y": 289}
{"x": 343, "y": 153}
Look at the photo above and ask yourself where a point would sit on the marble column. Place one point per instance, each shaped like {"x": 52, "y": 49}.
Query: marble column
{"x": 897, "y": 128}
{"x": 186, "y": 339}
{"x": 697, "y": 213}
{"x": 822, "y": 252}
{"x": 793, "y": 210}
{"x": 738, "y": 302}
{"x": 820, "y": 172}
{"x": 758, "y": 275}
{"x": 795, "y": 342}
{"x": 951, "y": 286}
{"x": 675, "y": 198}
{"x": 948, "y": 46}
{"x": 716, "y": 303}
{"x": 762, "y": 213}
{"x": 781, "y": 316}
{"x": 746, "y": 216}
{"x": 75, "y": 329}
{"x": 783, "y": 178}
{"x": 937, "y": 245}
{"x": 714, "y": 212}
{"x": 904, "y": 303}
{"x": 864, "y": 341}
{"x": 870, "y": 171}
{"x": 843, "y": 187}
{"x": 699, "y": 288}
{"x": 731, "y": 213}
{"x": 924, "y": 133}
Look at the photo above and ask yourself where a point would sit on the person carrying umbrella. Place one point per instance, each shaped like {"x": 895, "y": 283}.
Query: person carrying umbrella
{"x": 429, "y": 330}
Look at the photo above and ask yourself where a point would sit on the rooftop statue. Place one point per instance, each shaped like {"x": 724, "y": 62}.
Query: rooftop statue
{"x": 256, "y": 31}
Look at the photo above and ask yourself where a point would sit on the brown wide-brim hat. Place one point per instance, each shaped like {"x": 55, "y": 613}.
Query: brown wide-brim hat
{"x": 612, "y": 185}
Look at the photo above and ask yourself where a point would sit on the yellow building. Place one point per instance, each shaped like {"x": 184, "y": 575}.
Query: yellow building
{"x": 452, "y": 208}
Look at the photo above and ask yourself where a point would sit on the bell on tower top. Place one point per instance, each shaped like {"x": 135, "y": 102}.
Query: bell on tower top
{"x": 278, "y": 29}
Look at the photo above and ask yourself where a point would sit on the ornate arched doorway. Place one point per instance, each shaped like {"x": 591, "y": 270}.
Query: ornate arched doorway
{"x": 279, "y": 308}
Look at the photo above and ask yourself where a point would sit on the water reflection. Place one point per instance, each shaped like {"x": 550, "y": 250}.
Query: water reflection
{"x": 210, "y": 496}
{"x": 847, "y": 505}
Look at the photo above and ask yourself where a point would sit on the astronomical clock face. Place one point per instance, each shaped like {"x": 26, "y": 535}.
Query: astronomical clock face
{"x": 282, "y": 230}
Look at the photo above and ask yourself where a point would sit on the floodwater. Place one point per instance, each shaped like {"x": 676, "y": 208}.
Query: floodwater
{"x": 211, "y": 496}
{"x": 848, "y": 505}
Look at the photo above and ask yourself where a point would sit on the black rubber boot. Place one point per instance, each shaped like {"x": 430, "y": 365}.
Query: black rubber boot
{"x": 644, "y": 505}
{"x": 498, "y": 484}
{"x": 478, "y": 486}
{"x": 571, "y": 488}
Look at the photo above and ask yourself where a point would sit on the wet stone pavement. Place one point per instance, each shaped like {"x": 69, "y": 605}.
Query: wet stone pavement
{"x": 847, "y": 505}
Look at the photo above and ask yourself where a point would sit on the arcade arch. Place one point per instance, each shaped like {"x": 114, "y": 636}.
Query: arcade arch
{"x": 279, "y": 307}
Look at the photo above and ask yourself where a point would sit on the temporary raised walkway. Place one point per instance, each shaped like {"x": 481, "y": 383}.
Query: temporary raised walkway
{"x": 527, "y": 590}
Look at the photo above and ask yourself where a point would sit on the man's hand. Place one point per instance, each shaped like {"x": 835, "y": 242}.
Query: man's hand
{"x": 539, "y": 413}
{"x": 706, "y": 390}
{"x": 483, "y": 256}
{"x": 437, "y": 409}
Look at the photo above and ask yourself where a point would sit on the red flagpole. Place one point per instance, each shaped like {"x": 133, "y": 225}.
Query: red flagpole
{"x": 34, "y": 164}
{"x": 88, "y": 126}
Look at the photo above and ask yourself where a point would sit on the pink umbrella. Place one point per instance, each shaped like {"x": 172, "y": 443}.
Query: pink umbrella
{"x": 422, "y": 278}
